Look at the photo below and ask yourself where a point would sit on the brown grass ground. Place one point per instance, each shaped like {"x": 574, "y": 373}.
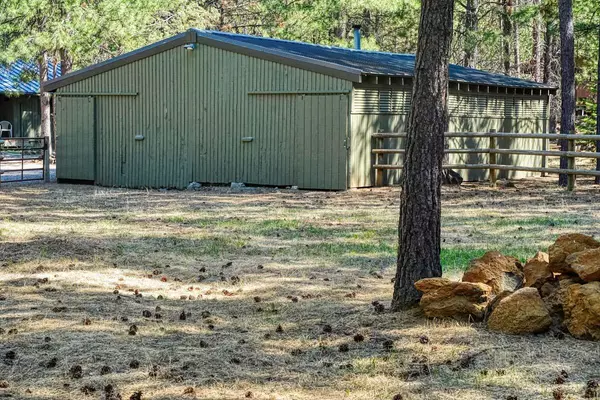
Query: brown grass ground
{"x": 334, "y": 252}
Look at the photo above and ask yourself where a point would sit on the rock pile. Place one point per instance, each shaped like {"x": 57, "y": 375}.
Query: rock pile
{"x": 558, "y": 290}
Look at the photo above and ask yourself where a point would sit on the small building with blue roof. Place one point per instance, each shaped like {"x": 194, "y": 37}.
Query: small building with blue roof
{"x": 19, "y": 96}
{"x": 217, "y": 107}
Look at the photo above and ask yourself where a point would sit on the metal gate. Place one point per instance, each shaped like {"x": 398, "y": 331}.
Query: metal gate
{"x": 24, "y": 159}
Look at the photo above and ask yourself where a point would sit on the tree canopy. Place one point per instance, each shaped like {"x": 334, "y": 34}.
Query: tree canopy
{"x": 507, "y": 36}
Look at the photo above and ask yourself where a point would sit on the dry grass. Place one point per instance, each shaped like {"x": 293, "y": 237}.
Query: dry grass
{"x": 325, "y": 249}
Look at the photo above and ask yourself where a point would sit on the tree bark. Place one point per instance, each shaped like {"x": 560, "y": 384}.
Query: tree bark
{"x": 547, "y": 59}
{"x": 420, "y": 201}
{"x": 506, "y": 35}
{"x": 549, "y": 50}
{"x": 516, "y": 48}
{"x": 46, "y": 122}
{"x": 567, "y": 86}
{"x": 66, "y": 62}
{"x": 537, "y": 45}
{"x": 470, "y": 41}
{"x": 597, "y": 180}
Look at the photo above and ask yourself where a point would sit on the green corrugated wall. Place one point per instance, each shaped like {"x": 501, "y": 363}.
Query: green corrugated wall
{"x": 381, "y": 108}
{"x": 194, "y": 107}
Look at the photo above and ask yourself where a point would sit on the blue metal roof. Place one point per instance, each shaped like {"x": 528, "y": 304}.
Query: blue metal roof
{"x": 371, "y": 62}
{"x": 13, "y": 77}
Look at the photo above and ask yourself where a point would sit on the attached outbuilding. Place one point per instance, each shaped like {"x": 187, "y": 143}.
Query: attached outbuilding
{"x": 216, "y": 107}
{"x": 20, "y": 99}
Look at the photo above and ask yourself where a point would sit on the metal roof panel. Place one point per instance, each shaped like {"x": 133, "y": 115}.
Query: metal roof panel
{"x": 373, "y": 62}
{"x": 13, "y": 77}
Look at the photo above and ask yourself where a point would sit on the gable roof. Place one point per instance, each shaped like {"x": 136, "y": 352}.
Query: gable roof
{"x": 344, "y": 63}
{"x": 14, "y": 77}
{"x": 374, "y": 62}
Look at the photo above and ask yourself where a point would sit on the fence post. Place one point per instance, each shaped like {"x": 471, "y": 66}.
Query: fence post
{"x": 379, "y": 142}
{"x": 571, "y": 165}
{"x": 46, "y": 159}
{"x": 545, "y": 146}
{"x": 492, "y": 157}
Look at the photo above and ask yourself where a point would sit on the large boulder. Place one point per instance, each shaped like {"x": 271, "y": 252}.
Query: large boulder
{"x": 586, "y": 264}
{"x": 519, "y": 313}
{"x": 536, "y": 270}
{"x": 566, "y": 245}
{"x": 553, "y": 293}
{"x": 496, "y": 270}
{"x": 443, "y": 298}
{"x": 494, "y": 302}
{"x": 582, "y": 310}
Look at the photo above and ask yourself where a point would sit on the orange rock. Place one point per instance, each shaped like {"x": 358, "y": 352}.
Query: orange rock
{"x": 566, "y": 245}
{"x": 496, "y": 270}
{"x": 586, "y": 264}
{"x": 554, "y": 293}
{"x": 582, "y": 310}
{"x": 536, "y": 270}
{"x": 520, "y": 313}
{"x": 445, "y": 298}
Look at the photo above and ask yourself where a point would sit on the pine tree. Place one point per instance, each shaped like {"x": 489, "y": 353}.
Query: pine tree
{"x": 420, "y": 209}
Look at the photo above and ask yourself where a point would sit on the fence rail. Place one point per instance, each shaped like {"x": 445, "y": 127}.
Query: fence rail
{"x": 492, "y": 150}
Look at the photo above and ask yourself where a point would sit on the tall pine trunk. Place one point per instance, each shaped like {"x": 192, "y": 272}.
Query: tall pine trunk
{"x": 516, "y": 47}
{"x": 470, "y": 40}
{"x": 550, "y": 48}
{"x": 66, "y": 62}
{"x": 46, "y": 114}
{"x": 420, "y": 201}
{"x": 66, "y": 65}
{"x": 567, "y": 83}
{"x": 506, "y": 35}
{"x": 597, "y": 180}
{"x": 537, "y": 45}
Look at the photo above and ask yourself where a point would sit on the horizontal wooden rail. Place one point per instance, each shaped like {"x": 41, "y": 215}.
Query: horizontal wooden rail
{"x": 492, "y": 151}
{"x": 502, "y": 167}
{"x": 560, "y": 136}
{"x": 550, "y": 153}
{"x": 447, "y": 151}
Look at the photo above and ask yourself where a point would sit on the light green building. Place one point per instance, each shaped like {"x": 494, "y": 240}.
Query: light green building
{"x": 213, "y": 107}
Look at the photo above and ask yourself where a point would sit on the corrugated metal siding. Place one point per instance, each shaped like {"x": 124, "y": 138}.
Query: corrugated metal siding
{"x": 193, "y": 109}
{"x": 468, "y": 113}
{"x": 75, "y": 138}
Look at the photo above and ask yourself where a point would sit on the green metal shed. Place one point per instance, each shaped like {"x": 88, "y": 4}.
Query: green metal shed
{"x": 214, "y": 107}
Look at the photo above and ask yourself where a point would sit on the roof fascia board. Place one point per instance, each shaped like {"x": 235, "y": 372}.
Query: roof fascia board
{"x": 127, "y": 58}
{"x": 310, "y": 64}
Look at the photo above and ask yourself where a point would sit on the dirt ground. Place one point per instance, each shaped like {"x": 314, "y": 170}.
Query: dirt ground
{"x": 264, "y": 294}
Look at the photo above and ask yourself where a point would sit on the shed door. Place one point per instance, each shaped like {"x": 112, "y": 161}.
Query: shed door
{"x": 321, "y": 141}
{"x": 75, "y": 144}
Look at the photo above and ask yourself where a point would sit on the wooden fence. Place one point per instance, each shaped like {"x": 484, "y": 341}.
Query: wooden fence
{"x": 492, "y": 150}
